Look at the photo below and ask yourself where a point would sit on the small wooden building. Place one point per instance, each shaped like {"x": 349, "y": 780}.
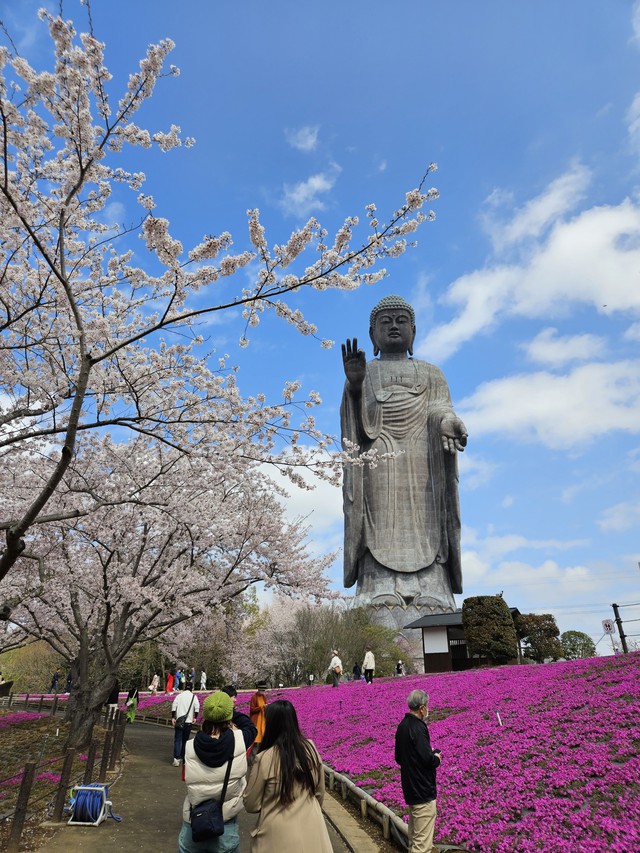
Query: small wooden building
{"x": 443, "y": 642}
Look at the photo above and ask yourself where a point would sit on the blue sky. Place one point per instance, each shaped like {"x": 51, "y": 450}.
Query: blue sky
{"x": 527, "y": 285}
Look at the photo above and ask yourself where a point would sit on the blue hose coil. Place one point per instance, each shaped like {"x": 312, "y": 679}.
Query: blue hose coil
{"x": 88, "y": 803}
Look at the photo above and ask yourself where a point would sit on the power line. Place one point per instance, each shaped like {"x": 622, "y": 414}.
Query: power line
{"x": 546, "y": 581}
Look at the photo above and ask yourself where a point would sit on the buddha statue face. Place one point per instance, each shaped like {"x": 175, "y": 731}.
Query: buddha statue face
{"x": 392, "y": 332}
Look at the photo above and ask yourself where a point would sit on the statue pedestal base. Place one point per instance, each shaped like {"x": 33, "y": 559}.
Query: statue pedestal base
{"x": 395, "y": 617}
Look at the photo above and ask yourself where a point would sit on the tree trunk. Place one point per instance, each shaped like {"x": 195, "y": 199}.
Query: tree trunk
{"x": 82, "y": 725}
{"x": 86, "y": 701}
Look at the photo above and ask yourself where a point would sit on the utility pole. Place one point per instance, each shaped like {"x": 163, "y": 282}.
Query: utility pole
{"x": 618, "y": 621}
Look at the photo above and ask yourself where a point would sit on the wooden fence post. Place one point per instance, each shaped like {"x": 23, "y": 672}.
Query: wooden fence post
{"x": 63, "y": 784}
{"x": 91, "y": 760}
{"x": 386, "y": 827}
{"x": 116, "y": 748}
{"x": 106, "y": 754}
{"x": 40, "y": 704}
{"x": 54, "y": 705}
{"x": 20, "y": 812}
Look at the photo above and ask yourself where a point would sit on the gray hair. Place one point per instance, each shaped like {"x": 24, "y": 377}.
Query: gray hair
{"x": 416, "y": 699}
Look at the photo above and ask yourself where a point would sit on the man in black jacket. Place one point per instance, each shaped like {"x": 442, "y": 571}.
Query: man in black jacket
{"x": 418, "y": 763}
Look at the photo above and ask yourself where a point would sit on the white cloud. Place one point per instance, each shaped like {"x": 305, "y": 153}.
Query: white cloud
{"x": 525, "y": 585}
{"x": 560, "y": 197}
{"x": 548, "y": 348}
{"x": 422, "y": 300}
{"x": 26, "y": 36}
{"x": 491, "y": 548}
{"x": 634, "y": 459}
{"x": 303, "y": 139}
{"x": 635, "y": 21}
{"x": 573, "y": 590}
{"x": 304, "y": 197}
{"x": 558, "y": 411}
{"x": 321, "y": 507}
{"x": 622, "y": 516}
{"x": 633, "y": 332}
{"x": 592, "y": 259}
{"x": 474, "y": 472}
{"x": 507, "y": 502}
{"x": 633, "y": 123}
{"x": 114, "y": 213}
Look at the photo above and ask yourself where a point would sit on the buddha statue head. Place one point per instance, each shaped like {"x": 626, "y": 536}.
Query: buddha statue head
{"x": 392, "y": 326}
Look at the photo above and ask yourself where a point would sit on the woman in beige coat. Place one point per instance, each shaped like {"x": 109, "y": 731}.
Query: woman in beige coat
{"x": 286, "y": 786}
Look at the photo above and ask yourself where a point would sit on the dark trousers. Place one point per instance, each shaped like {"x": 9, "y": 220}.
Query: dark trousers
{"x": 335, "y": 678}
{"x": 180, "y": 738}
{"x": 368, "y": 675}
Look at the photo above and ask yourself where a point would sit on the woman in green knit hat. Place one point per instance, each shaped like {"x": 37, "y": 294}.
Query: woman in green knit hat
{"x": 224, "y": 740}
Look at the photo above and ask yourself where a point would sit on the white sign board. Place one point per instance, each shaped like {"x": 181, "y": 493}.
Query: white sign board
{"x": 434, "y": 640}
{"x": 607, "y": 626}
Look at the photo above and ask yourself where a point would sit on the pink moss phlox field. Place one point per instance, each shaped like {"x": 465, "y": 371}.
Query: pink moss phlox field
{"x": 561, "y": 774}
{"x": 53, "y": 778}
{"x": 16, "y": 718}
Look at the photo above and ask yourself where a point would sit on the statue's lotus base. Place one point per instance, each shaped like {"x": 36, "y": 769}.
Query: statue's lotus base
{"x": 389, "y": 613}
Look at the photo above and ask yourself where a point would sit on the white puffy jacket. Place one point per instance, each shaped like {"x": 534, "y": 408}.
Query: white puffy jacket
{"x": 205, "y": 783}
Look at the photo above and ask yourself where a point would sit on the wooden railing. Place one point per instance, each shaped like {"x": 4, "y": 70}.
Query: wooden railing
{"x": 107, "y": 753}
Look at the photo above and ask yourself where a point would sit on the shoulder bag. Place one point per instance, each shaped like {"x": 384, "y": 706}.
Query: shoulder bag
{"x": 206, "y": 818}
{"x": 182, "y": 719}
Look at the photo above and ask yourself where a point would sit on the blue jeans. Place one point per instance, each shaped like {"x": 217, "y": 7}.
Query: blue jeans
{"x": 227, "y": 843}
{"x": 180, "y": 738}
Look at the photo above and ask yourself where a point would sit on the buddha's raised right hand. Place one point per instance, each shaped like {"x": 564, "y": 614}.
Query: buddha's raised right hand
{"x": 355, "y": 363}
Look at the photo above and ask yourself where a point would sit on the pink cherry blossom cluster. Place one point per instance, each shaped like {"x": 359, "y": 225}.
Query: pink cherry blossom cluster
{"x": 86, "y": 315}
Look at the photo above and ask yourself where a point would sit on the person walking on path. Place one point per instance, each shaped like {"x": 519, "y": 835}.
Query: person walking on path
{"x": 55, "y": 680}
{"x": 225, "y": 737}
{"x": 357, "y": 671}
{"x": 203, "y": 680}
{"x": 155, "y": 681}
{"x": 133, "y": 697}
{"x": 257, "y": 708}
{"x": 286, "y": 787}
{"x": 369, "y": 665}
{"x": 112, "y": 700}
{"x": 169, "y": 685}
{"x": 184, "y": 710}
{"x": 335, "y": 668}
{"x": 418, "y": 765}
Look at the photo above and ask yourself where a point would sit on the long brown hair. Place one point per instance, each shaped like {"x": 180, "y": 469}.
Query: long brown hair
{"x": 299, "y": 762}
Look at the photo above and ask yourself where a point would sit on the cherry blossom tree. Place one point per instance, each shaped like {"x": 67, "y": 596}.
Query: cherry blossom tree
{"x": 173, "y": 540}
{"x": 99, "y": 332}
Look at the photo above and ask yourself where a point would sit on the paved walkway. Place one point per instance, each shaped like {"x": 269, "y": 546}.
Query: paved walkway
{"x": 149, "y": 796}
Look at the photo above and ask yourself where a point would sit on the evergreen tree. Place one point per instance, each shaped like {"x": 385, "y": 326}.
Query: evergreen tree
{"x": 489, "y": 629}
{"x": 576, "y": 644}
{"x": 540, "y": 633}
